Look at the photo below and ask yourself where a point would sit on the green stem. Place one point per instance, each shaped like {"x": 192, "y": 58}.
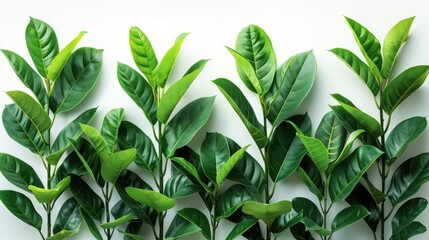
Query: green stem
{"x": 106, "y": 202}
{"x": 383, "y": 172}
{"x": 160, "y": 181}
{"x": 213, "y": 218}
{"x": 325, "y": 209}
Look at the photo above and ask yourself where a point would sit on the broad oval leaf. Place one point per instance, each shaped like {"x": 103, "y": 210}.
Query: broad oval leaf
{"x": 88, "y": 200}
{"x": 92, "y": 227}
{"x": 311, "y": 177}
{"x": 168, "y": 61}
{"x": 347, "y": 146}
{"x": 190, "y": 171}
{"x": 68, "y": 218}
{"x": 231, "y": 200}
{"x": 214, "y": 153}
{"x": 241, "y": 228}
{"x": 291, "y": 85}
{"x": 116, "y": 163}
{"x": 332, "y": 134}
{"x": 76, "y": 80}
{"x": 97, "y": 141}
{"x": 132, "y": 231}
{"x": 267, "y": 212}
{"x": 406, "y": 214}
{"x": 286, "y": 221}
{"x": 308, "y": 209}
{"x": 179, "y": 186}
{"x": 198, "y": 218}
{"x": 49, "y": 195}
{"x": 317, "y": 152}
{"x": 110, "y": 127}
{"x": 22, "y": 207}
{"x": 415, "y": 228}
{"x": 155, "y": 200}
{"x": 348, "y": 216}
{"x": 180, "y": 227}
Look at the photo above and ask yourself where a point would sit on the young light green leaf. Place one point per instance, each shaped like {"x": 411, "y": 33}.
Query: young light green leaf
{"x": 22, "y": 207}
{"x": 310, "y": 225}
{"x": 119, "y": 221}
{"x": 69, "y": 218}
{"x": 116, "y": 163}
{"x": 49, "y": 195}
{"x": 153, "y": 199}
{"x": 348, "y": 216}
{"x": 229, "y": 165}
{"x": 97, "y": 141}
{"x": 317, "y": 151}
{"x": 168, "y": 61}
{"x": 63, "y": 234}
{"x": 267, "y": 212}
{"x": 110, "y": 127}
{"x": 406, "y": 214}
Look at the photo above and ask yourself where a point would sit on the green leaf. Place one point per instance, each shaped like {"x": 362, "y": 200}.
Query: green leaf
{"x": 68, "y": 218}
{"x": 130, "y": 235}
{"x": 359, "y": 67}
{"x": 97, "y": 141}
{"x": 42, "y": 44}
{"x": 214, "y": 153}
{"x": 286, "y": 221}
{"x": 169, "y": 60}
{"x": 180, "y": 227}
{"x": 61, "y": 59}
{"x": 177, "y": 90}
{"x": 32, "y": 109}
{"x": 22, "y": 207}
{"x": 347, "y": 146}
{"x": 415, "y": 228}
{"x": 179, "y": 186}
{"x": 198, "y": 218}
{"x": 311, "y": 177}
{"x": 153, "y": 199}
{"x": 406, "y": 214}
{"x": 76, "y": 80}
{"x": 308, "y": 208}
{"x": 408, "y": 178}
{"x": 28, "y": 76}
{"x": 348, "y": 173}
{"x": 403, "y": 86}
{"x": 143, "y": 55}
{"x": 317, "y": 152}
{"x": 186, "y": 123}
{"x": 348, "y": 216}
{"x": 402, "y": 135}
{"x": 130, "y": 136}
{"x": 393, "y": 41}
{"x": 110, "y": 127}
{"x": 189, "y": 168}
{"x": 138, "y": 90}
{"x": 310, "y": 183}
{"x": 241, "y": 228}
{"x": 116, "y": 163}
{"x": 332, "y": 134}
{"x": 310, "y": 225}
{"x": 231, "y": 200}
{"x": 299, "y": 232}
{"x": 88, "y": 200}
{"x": 267, "y": 212}
{"x": 63, "y": 234}
{"x": 244, "y": 110}
{"x": 255, "y": 46}
{"x": 92, "y": 227}
{"x": 119, "y": 221}
{"x": 18, "y": 172}
{"x": 292, "y": 83}
{"x": 49, "y": 195}
{"x": 132, "y": 231}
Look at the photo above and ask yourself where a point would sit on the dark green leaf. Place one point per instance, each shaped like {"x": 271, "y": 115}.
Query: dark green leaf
{"x": 68, "y": 217}
{"x": 92, "y": 227}
{"x": 311, "y": 177}
{"x": 198, "y": 218}
{"x": 190, "y": 171}
{"x": 133, "y": 229}
{"x": 308, "y": 208}
{"x": 179, "y": 186}
{"x": 286, "y": 221}
{"x": 300, "y": 233}
{"x": 231, "y": 200}
{"x": 406, "y": 214}
{"x": 110, "y": 127}
{"x": 214, "y": 153}
{"x": 241, "y": 228}
{"x": 415, "y": 228}
{"x": 332, "y": 134}
{"x": 87, "y": 198}
{"x": 180, "y": 227}
{"x": 348, "y": 216}
{"x": 22, "y": 207}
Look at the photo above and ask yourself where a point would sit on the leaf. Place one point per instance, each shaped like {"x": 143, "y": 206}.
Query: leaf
{"x": 63, "y": 234}
{"x": 169, "y": 60}
{"x": 332, "y": 134}
{"x": 119, "y": 221}
{"x": 185, "y": 124}
{"x": 393, "y": 42}
{"x": 348, "y": 173}
{"x": 153, "y": 199}
{"x": 179, "y": 186}
{"x": 406, "y": 214}
{"x": 348, "y": 216}
{"x": 359, "y": 67}
{"x": 176, "y": 91}
{"x": 309, "y": 183}
{"x": 110, "y": 127}
{"x": 198, "y": 218}
{"x": 241, "y": 228}
{"x": 415, "y": 228}
{"x": 28, "y": 76}
{"x": 317, "y": 152}
{"x": 68, "y": 218}
{"x": 231, "y": 200}
{"x": 49, "y": 195}
{"x": 347, "y": 146}
{"x": 286, "y": 221}
{"x": 22, "y": 207}
{"x": 408, "y": 178}
{"x": 88, "y": 200}
{"x": 292, "y": 83}
{"x": 402, "y": 135}
{"x": 403, "y": 86}
{"x": 19, "y": 127}
{"x": 116, "y": 163}
{"x": 76, "y": 80}
{"x": 42, "y": 44}
{"x": 214, "y": 153}
{"x": 285, "y": 150}
{"x": 130, "y": 235}
{"x": 18, "y": 172}
{"x": 267, "y": 212}
{"x": 97, "y": 141}
{"x": 312, "y": 226}
{"x": 255, "y": 45}
{"x": 90, "y": 224}
{"x": 244, "y": 110}
{"x": 32, "y": 109}
{"x": 138, "y": 90}
{"x": 143, "y": 55}
{"x": 189, "y": 168}
{"x": 299, "y": 232}
{"x": 130, "y": 136}
{"x": 132, "y": 231}
{"x": 308, "y": 208}
{"x": 311, "y": 177}
{"x": 180, "y": 227}
{"x": 61, "y": 58}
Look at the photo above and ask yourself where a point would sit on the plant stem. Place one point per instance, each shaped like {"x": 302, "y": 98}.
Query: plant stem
{"x": 325, "y": 209}
{"x": 161, "y": 181}
{"x": 48, "y": 169}
{"x": 383, "y": 171}
{"x": 106, "y": 202}
{"x": 214, "y": 225}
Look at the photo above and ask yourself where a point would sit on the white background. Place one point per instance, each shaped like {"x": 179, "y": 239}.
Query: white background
{"x": 293, "y": 26}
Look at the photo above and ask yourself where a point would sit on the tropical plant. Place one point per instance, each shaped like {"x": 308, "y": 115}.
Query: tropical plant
{"x": 68, "y": 77}
{"x": 170, "y": 131}
{"x": 398, "y": 183}
{"x": 280, "y": 90}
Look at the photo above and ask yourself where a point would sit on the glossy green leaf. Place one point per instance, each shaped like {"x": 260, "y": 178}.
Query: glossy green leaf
{"x": 63, "y": 234}
{"x": 198, "y": 218}
{"x": 240, "y": 228}
{"x": 42, "y": 44}
{"x": 402, "y": 135}
{"x": 189, "y": 168}
{"x": 76, "y": 80}
{"x": 246, "y": 69}
{"x": 110, "y": 127}
{"x": 244, "y": 110}
{"x": 130, "y": 136}
{"x": 299, "y": 232}
{"x": 180, "y": 227}
{"x": 310, "y": 225}
{"x": 311, "y": 177}
{"x": 403, "y": 86}
{"x": 61, "y": 59}
{"x": 176, "y": 91}
{"x": 131, "y": 236}
{"x": 292, "y": 83}
{"x": 97, "y": 141}
{"x": 415, "y": 228}
{"x": 18, "y": 172}
{"x": 317, "y": 152}
{"x": 116, "y": 163}
{"x": 255, "y": 45}
{"x": 144, "y": 55}
{"x": 119, "y": 221}
{"x": 68, "y": 217}
{"x": 310, "y": 183}
{"x": 179, "y": 186}
{"x": 406, "y": 214}
{"x": 267, "y": 212}
{"x": 186, "y": 123}
{"x": 347, "y": 146}
{"x": 253, "y": 232}
{"x": 408, "y": 178}
{"x": 132, "y": 231}
{"x": 22, "y": 207}
{"x": 49, "y": 195}
{"x": 348, "y": 216}
{"x": 92, "y": 227}
{"x": 229, "y": 165}
{"x": 308, "y": 208}
{"x": 28, "y": 76}
{"x": 88, "y": 200}
{"x": 332, "y": 134}
{"x": 348, "y": 173}
{"x": 153, "y": 199}
{"x": 231, "y": 200}
{"x": 71, "y": 164}
{"x": 376, "y": 193}
{"x": 393, "y": 41}
{"x": 359, "y": 67}
{"x": 169, "y": 60}
{"x": 286, "y": 221}
{"x": 214, "y": 153}
{"x": 138, "y": 90}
